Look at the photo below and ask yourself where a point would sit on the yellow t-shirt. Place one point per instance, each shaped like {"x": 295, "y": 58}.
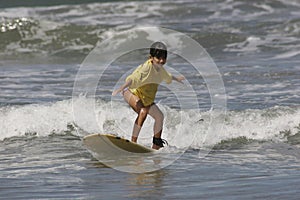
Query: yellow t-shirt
{"x": 145, "y": 80}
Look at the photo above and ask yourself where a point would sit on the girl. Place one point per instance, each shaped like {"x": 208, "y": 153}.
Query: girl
{"x": 140, "y": 88}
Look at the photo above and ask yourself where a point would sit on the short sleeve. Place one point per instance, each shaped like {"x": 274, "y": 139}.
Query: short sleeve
{"x": 166, "y": 76}
{"x": 137, "y": 77}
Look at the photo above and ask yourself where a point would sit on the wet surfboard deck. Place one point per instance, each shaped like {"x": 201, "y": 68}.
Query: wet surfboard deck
{"x": 111, "y": 144}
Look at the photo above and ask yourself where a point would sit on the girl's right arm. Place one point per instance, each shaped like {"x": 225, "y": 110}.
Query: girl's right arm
{"x": 125, "y": 85}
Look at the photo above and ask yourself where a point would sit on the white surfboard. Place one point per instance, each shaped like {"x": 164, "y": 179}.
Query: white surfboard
{"x": 112, "y": 145}
{"x": 124, "y": 155}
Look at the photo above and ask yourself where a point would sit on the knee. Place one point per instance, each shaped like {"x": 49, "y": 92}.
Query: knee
{"x": 143, "y": 112}
{"x": 159, "y": 116}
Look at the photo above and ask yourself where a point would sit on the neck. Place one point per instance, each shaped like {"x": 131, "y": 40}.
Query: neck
{"x": 157, "y": 68}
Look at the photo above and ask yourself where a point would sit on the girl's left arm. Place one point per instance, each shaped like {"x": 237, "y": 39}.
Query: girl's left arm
{"x": 179, "y": 79}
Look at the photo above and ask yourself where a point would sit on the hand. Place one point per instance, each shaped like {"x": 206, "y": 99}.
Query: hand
{"x": 122, "y": 88}
{"x": 180, "y": 79}
{"x": 114, "y": 93}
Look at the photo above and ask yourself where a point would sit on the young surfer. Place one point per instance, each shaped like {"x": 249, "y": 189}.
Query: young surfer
{"x": 140, "y": 88}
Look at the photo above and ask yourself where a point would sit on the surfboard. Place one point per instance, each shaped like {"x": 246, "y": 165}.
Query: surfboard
{"x": 122, "y": 154}
{"x": 111, "y": 145}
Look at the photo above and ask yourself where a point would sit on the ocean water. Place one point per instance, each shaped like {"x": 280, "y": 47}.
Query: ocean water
{"x": 247, "y": 150}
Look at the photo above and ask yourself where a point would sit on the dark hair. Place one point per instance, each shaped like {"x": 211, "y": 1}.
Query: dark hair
{"x": 158, "y": 50}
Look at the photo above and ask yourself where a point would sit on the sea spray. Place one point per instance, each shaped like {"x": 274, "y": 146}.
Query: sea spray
{"x": 183, "y": 129}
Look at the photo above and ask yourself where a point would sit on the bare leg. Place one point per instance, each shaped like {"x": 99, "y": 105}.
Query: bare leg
{"x": 135, "y": 132}
{"x": 142, "y": 115}
{"x": 140, "y": 109}
{"x": 158, "y": 116}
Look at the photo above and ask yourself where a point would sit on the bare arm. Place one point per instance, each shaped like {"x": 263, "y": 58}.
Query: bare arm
{"x": 178, "y": 78}
{"x": 125, "y": 85}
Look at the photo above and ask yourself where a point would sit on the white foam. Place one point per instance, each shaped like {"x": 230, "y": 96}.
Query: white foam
{"x": 287, "y": 54}
{"x": 260, "y": 124}
{"x": 250, "y": 44}
{"x": 182, "y": 129}
{"x": 42, "y": 120}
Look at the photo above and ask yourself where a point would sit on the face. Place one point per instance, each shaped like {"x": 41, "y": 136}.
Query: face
{"x": 159, "y": 61}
